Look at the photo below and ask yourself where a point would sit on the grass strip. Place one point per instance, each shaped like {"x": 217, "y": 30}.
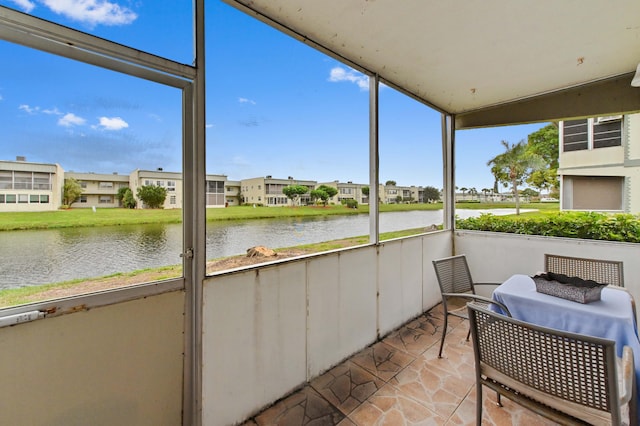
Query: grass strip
{"x": 74, "y": 218}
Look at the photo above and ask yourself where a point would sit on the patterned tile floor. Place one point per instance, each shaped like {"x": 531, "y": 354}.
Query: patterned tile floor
{"x": 400, "y": 381}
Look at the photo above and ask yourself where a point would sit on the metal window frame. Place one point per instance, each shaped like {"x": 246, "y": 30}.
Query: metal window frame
{"x": 39, "y": 34}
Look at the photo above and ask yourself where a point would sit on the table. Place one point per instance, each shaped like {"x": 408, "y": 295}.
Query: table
{"x": 612, "y": 317}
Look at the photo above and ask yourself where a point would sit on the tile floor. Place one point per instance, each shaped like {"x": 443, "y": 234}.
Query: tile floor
{"x": 399, "y": 381}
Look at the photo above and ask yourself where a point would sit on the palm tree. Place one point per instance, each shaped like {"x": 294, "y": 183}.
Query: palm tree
{"x": 473, "y": 191}
{"x": 513, "y": 166}
{"x": 463, "y": 190}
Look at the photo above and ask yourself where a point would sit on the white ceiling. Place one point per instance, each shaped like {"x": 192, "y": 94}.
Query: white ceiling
{"x": 465, "y": 56}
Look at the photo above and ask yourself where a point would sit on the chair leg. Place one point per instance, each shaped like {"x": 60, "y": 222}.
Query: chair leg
{"x": 478, "y": 404}
{"x": 444, "y": 333}
{"x": 499, "y": 399}
{"x": 468, "y": 334}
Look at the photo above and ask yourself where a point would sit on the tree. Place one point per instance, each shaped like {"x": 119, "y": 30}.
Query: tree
{"x": 431, "y": 194}
{"x": 365, "y": 190}
{"x": 390, "y": 183}
{"x": 71, "y": 191}
{"x": 126, "y": 198}
{"x": 514, "y": 166}
{"x": 319, "y": 194}
{"x": 473, "y": 192}
{"x": 464, "y": 189}
{"x": 152, "y": 196}
{"x": 329, "y": 190}
{"x": 528, "y": 192}
{"x": 545, "y": 143}
{"x": 293, "y": 192}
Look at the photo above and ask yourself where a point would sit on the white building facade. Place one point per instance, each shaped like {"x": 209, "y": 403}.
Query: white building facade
{"x": 599, "y": 164}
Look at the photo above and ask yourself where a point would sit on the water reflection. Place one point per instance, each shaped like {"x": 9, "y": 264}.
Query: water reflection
{"x": 47, "y": 256}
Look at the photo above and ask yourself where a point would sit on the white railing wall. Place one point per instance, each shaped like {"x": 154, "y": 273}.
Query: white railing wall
{"x": 269, "y": 330}
{"x": 112, "y": 365}
{"x": 266, "y": 330}
{"x": 494, "y": 257}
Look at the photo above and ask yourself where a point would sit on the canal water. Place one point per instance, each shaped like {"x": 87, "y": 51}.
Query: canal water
{"x": 47, "y": 256}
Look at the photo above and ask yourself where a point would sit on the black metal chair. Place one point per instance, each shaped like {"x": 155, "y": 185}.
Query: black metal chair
{"x": 569, "y": 378}
{"x": 454, "y": 279}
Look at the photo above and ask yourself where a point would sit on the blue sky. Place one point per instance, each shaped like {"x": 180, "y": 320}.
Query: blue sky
{"x": 274, "y": 105}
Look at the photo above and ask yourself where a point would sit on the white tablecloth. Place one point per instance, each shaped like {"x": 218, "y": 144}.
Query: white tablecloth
{"x": 611, "y": 317}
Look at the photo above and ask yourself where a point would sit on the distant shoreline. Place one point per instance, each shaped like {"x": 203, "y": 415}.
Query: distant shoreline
{"x": 81, "y": 217}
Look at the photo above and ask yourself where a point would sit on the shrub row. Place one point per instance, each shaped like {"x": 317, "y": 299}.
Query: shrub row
{"x": 587, "y": 225}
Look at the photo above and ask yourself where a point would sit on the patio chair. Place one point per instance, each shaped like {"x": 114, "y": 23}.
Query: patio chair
{"x": 603, "y": 271}
{"x": 566, "y": 377}
{"x": 454, "y": 279}
{"x": 599, "y": 270}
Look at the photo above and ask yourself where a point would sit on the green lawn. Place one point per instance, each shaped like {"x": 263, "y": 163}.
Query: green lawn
{"x": 105, "y": 217}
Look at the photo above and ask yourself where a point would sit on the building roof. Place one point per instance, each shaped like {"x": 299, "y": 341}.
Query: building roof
{"x": 488, "y": 63}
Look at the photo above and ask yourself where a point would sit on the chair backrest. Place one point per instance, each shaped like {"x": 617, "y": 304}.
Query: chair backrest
{"x": 602, "y": 271}
{"x": 453, "y": 274}
{"x": 571, "y": 373}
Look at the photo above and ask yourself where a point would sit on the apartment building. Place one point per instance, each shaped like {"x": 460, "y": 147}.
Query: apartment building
{"x": 393, "y": 194}
{"x": 26, "y": 186}
{"x": 347, "y": 191}
{"x": 267, "y": 191}
{"x": 171, "y": 181}
{"x": 599, "y": 164}
{"x": 98, "y": 190}
{"x": 231, "y": 192}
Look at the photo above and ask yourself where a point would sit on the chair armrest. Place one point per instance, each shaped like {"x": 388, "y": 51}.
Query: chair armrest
{"x": 475, "y": 284}
{"x": 626, "y": 376}
{"x": 476, "y": 297}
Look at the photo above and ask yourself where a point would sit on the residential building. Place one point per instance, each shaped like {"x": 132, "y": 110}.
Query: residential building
{"x": 99, "y": 190}
{"x": 267, "y": 191}
{"x": 28, "y": 186}
{"x": 216, "y": 195}
{"x": 232, "y": 192}
{"x": 394, "y": 194}
{"x": 347, "y": 191}
{"x": 171, "y": 181}
{"x": 599, "y": 164}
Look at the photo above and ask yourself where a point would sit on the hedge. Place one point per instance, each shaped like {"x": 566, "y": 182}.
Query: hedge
{"x": 588, "y": 225}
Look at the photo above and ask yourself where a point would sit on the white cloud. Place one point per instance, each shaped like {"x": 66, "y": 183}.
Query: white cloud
{"x": 70, "y": 119}
{"x": 29, "y": 110}
{"x": 25, "y": 5}
{"x": 92, "y": 12}
{"x": 246, "y": 101}
{"x": 54, "y": 111}
{"x": 115, "y": 123}
{"x": 338, "y": 74}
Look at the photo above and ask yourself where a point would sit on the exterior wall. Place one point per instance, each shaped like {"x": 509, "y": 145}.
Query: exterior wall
{"x": 269, "y": 330}
{"x": 114, "y": 365}
{"x": 30, "y": 196}
{"x": 347, "y": 191}
{"x": 600, "y": 165}
{"x": 267, "y": 191}
{"x": 97, "y": 187}
{"x": 494, "y": 257}
{"x": 232, "y": 193}
{"x": 215, "y": 191}
{"x": 632, "y": 163}
{"x": 389, "y": 193}
{"x": 170, "y": 180}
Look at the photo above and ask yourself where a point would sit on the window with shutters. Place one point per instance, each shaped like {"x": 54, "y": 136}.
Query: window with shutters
{"x": 576, "y": 135}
